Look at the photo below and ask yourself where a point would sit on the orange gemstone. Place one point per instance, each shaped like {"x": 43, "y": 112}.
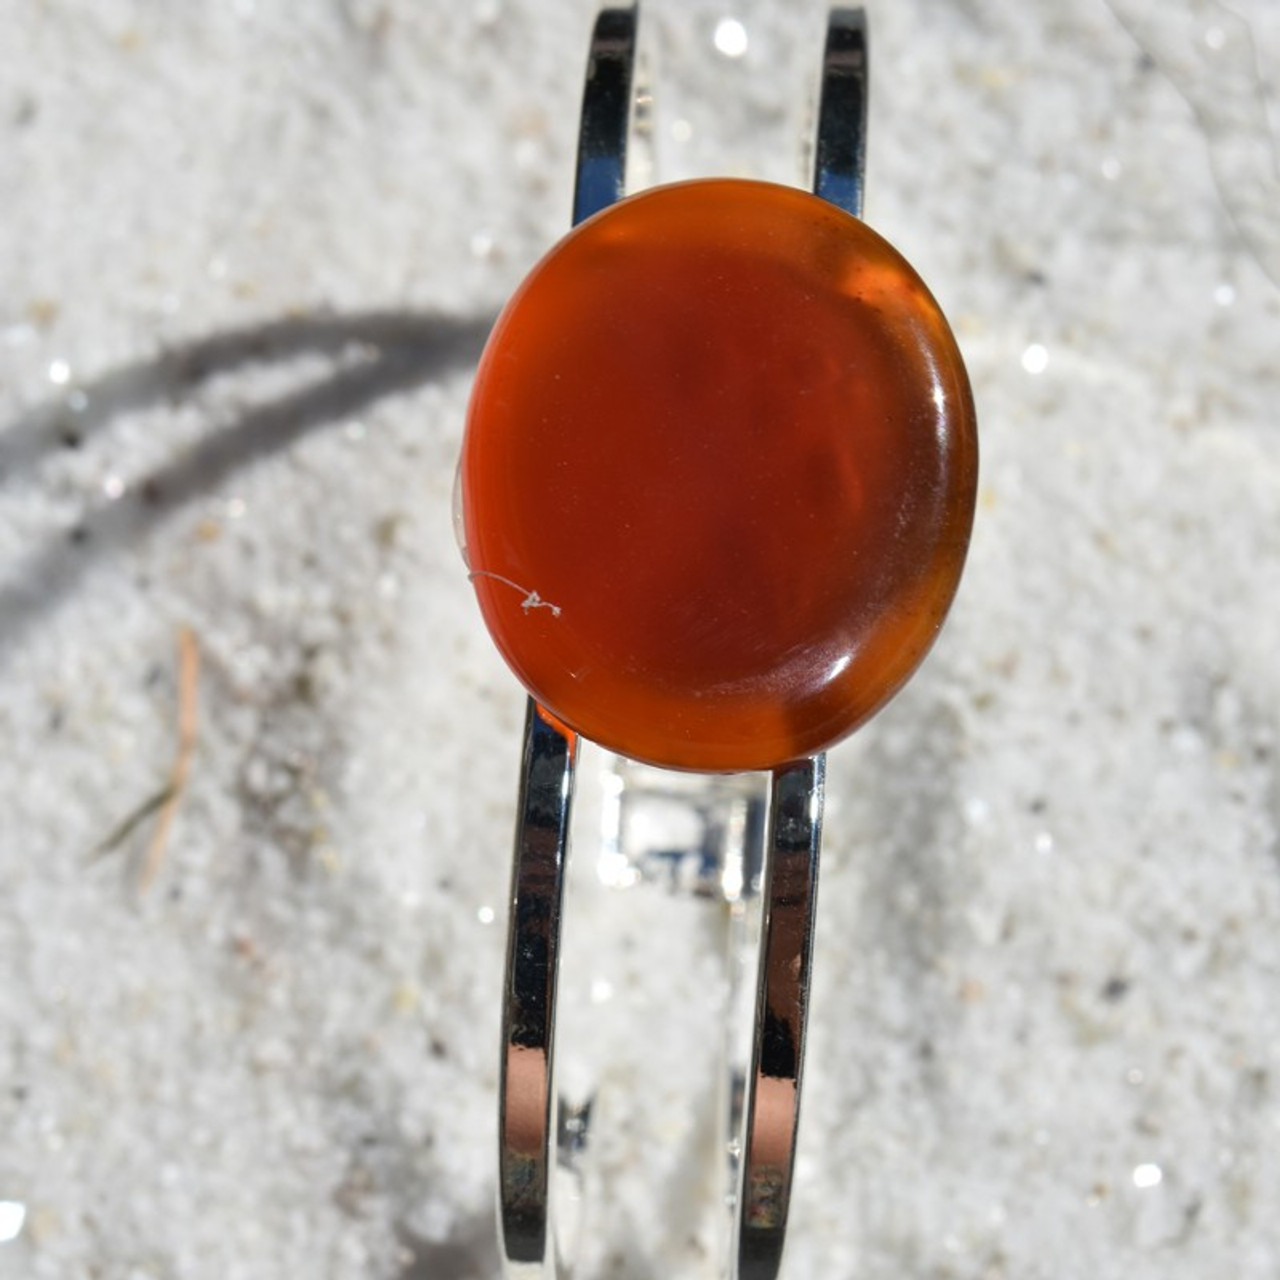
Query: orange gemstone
{"x": 718, "y": 476}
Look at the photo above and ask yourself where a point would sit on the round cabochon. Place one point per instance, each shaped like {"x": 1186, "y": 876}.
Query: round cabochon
{"x": 718, "y": 476}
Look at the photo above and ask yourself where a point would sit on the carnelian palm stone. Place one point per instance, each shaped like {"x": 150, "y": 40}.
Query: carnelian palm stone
{"x": 718, "y": 476}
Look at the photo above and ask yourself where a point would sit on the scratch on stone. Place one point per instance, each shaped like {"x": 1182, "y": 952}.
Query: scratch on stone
{"x": 532, "y": 600}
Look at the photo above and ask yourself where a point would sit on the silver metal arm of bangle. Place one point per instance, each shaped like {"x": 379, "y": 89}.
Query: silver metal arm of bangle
{"x": 763, "y": 1113}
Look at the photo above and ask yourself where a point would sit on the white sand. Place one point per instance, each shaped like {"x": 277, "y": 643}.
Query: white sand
{"x": 1046, "y": 1034}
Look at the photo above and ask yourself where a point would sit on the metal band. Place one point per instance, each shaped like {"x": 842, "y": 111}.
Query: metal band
{"x": 526, "y": 1120}
{"x": 782, "y": 1011}
{"x": 840, "y": 157}
{"x": 607, "y": 103}
{"x": 528, "y": 1117}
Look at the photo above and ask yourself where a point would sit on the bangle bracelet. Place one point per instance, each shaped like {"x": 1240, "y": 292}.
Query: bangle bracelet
{"x": 717, "y": 486}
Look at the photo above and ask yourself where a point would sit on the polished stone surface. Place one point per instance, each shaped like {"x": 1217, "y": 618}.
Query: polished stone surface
{"x": 718, "y": 475}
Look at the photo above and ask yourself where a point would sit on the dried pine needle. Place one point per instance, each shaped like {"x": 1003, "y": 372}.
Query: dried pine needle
{"x": 188, "y": 685}
{"x": 165, "y": 802}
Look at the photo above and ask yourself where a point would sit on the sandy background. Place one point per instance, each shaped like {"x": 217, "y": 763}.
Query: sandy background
{"x": 249, "y": 251}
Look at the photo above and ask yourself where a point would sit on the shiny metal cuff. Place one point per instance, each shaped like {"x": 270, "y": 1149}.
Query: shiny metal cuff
{"x": 769, "y": 846}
